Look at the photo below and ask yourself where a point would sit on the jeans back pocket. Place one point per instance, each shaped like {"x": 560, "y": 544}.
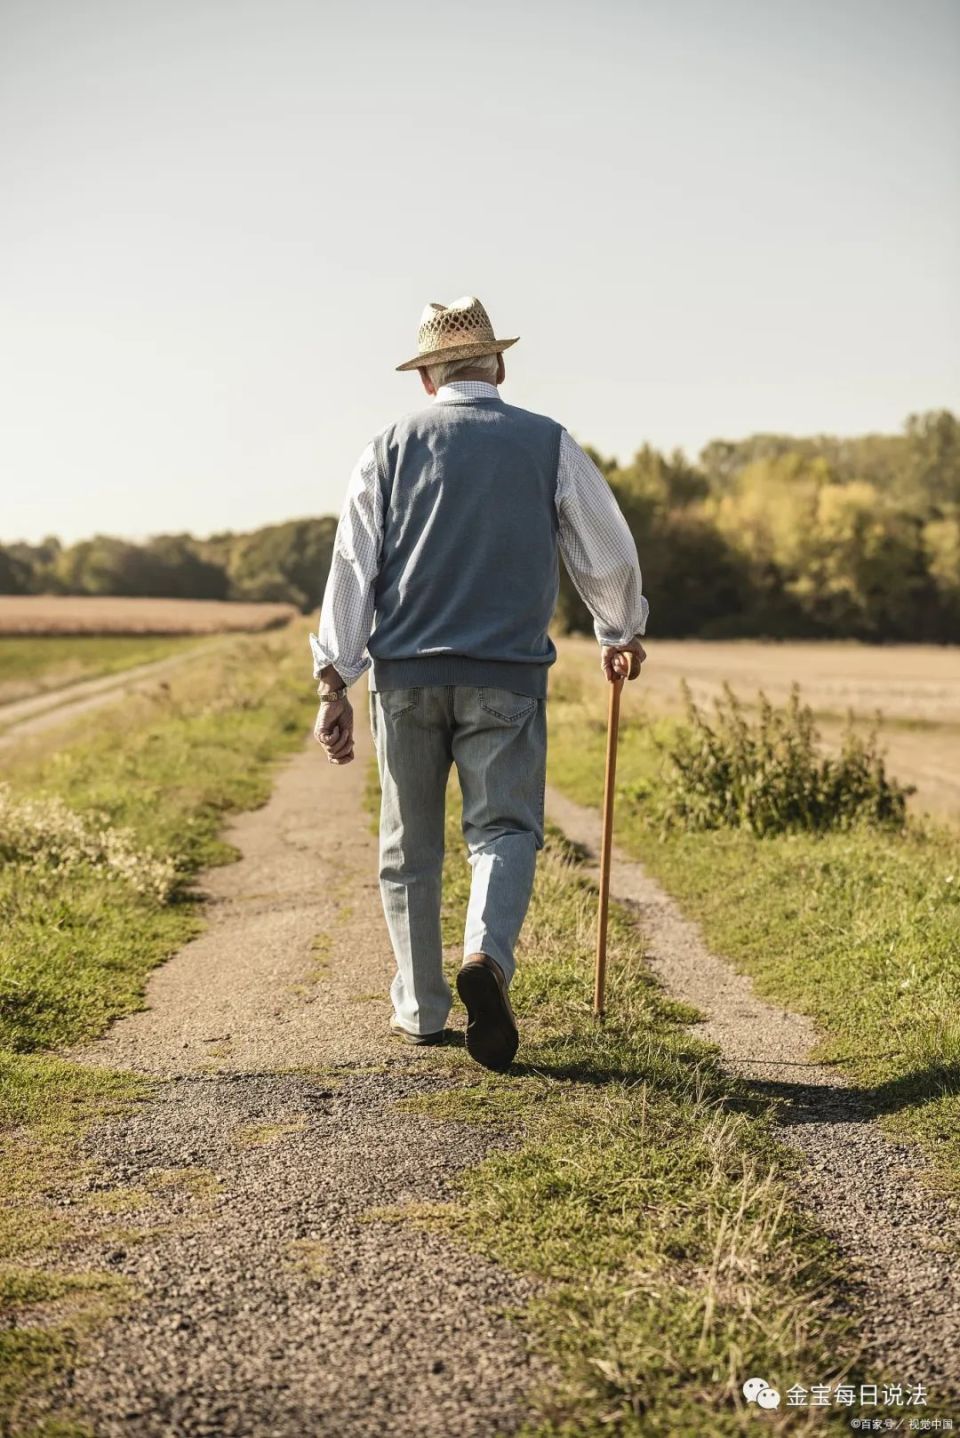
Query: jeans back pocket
{"x": 395, "y": 702}
{"x": 505, "y": 704}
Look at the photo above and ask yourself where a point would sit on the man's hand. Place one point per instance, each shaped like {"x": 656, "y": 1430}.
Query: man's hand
{"x": 334, "y": 730}
{"x": 622, "y": 661}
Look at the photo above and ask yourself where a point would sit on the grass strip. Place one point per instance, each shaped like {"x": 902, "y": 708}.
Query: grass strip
{"x": 859, "y": 929}
{"x": 647, "y": 1194}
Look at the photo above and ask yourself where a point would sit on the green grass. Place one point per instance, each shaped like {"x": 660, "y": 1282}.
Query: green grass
{"x": 32, "y": 1359}
{"x": 646, "y": 1193}
{"x": 169, "y": 768}
{"x": 860, "y": 930}
{"x": 33, "y": 663}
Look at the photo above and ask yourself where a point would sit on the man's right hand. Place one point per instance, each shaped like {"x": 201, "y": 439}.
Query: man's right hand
{"x": 622, "y": 661}
{"x": 333, "y": 730}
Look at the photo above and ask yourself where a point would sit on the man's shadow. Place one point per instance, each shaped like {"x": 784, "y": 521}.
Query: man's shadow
{"x": 796, "y": 1101}
{"x": 800, "y": 1102}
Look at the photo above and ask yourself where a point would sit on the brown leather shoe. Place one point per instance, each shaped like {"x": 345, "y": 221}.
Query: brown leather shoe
{"x": 492, "y": 1034}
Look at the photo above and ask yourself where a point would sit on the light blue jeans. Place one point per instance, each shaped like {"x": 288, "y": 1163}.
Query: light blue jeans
{"x": 498, "y": 741}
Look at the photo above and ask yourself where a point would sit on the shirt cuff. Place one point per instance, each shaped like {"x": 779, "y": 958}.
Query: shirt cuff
{"x": 349, "y": 673}
{"x": 616, "y": 638}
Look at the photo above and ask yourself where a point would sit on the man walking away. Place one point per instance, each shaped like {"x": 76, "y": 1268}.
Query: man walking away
{"x": 444, "y": 579}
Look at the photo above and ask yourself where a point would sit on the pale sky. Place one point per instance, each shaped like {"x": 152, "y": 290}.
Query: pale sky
{"x": 220, "y": 220}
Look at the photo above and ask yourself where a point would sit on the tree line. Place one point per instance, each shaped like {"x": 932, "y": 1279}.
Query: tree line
{"x": 280, "y": 563}
{"x": 772, "y": 536}
{"x": 781, "y": 537}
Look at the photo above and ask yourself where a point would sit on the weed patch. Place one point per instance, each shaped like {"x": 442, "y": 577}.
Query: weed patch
{"x": 769, "y": 775}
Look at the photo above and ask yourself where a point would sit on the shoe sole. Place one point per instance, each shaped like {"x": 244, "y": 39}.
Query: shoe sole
{"x": 492, "y": 1036}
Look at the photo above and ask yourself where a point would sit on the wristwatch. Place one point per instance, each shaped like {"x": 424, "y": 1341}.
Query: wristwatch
{"x": 330, "y": 696}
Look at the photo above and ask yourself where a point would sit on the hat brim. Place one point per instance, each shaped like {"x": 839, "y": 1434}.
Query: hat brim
{"x": 458, "y": 352}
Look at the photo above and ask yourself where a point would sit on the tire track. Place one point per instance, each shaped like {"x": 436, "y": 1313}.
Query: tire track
{"x": 25, "y": 717}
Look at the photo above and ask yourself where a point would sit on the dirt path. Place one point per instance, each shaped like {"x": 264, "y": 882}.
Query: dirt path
{"x": 270, "y": 1302}
{"x": 54, "y": 706}
{"x": 863, "y": 1187}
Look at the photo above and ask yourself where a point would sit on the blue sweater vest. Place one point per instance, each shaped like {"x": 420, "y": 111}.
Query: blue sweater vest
{"x": 469, "y": 571}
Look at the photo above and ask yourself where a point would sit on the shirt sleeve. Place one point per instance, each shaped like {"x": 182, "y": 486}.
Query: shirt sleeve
{"x": 598, "y": 548}
{"x": 346, "y": 614}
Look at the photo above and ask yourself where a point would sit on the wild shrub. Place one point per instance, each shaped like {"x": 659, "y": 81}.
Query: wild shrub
{"x": 770, "y": 775}
{"x": 46, "y": 834}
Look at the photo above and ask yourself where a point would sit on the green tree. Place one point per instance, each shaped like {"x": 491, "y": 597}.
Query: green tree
{"x": 931, "y": 478}
{"x": 289, "y": 561}
{"x": 14, "y": 574}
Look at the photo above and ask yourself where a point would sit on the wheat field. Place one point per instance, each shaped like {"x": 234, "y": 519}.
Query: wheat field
{"x": 93, "y": 614}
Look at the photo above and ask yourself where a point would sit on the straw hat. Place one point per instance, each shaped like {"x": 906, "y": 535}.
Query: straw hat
{"x": 452, "y": 332}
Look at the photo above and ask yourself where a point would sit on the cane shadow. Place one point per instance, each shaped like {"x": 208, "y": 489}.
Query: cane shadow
{"x": 608, "y": 1052}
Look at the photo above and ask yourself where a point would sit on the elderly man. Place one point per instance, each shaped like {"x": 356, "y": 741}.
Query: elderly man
{"x": 444, "y": 579}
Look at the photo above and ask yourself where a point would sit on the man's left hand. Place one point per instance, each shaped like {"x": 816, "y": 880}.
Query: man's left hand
{"x": 333, "y": 730}
{"x": 623, "y": 661}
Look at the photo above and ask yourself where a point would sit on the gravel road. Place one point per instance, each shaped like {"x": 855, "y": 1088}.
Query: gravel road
{"x": 270, "y": 1302}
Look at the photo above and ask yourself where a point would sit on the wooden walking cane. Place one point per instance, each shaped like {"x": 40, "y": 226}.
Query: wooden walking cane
{"x": 609, "y": 778}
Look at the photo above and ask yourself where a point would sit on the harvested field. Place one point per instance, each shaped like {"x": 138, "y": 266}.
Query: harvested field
{"x": 85, "y": 614}
{"x": 914, "y": 687}
{"x": 909, "y": 683}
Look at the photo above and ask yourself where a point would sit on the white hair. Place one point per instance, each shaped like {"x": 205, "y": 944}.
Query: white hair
{"x": 443, "y": 373}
